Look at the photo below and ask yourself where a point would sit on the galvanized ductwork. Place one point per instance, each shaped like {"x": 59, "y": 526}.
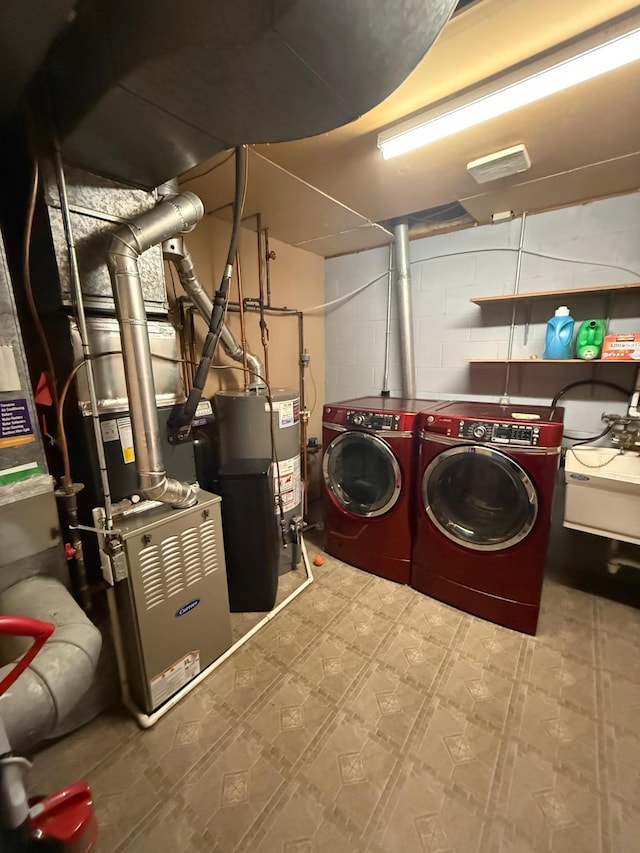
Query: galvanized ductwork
{"x": 405, "y": 311}
{"x": 171, "y": 216}
{"x": 52, "y": 695}
{"x": 175, "y": 251}
{"x": 144, "y": 91}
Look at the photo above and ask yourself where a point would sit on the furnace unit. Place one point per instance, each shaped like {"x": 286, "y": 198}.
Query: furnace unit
{"x": 171, "y": 591}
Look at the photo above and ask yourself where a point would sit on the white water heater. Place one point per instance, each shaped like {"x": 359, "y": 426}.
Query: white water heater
{"x": 244, "y": 432}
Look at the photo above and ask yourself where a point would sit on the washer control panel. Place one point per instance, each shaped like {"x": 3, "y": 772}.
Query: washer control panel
{"x": 373, "y": 420}
{"x": 497, "y": 433}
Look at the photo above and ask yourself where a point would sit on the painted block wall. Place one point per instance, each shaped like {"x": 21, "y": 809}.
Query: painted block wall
{"x": 448, "y": 270}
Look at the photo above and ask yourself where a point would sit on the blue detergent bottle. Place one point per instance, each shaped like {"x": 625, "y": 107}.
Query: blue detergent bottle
{"x": 559, "y": 334}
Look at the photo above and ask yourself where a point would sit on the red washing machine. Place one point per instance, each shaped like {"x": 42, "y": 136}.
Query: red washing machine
{"x": 368, "y": 467}
{"x": 484, "y": 492}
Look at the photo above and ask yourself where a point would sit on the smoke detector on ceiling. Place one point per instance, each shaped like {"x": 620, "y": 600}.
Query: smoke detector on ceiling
{"x": 500, "y": 164}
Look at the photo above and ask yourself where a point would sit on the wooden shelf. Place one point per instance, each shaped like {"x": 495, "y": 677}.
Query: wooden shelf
{"x": 551, "y": 361}
{"x": 609, "y": 290}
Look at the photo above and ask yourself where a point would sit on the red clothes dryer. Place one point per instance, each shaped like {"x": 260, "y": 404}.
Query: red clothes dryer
{"x": 484, "y": 492}
{"x": 368, "y": 467}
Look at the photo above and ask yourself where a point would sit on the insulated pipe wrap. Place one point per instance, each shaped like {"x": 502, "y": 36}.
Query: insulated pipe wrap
{"x": 36, "y": 706}
{"x": 172, "y": 215}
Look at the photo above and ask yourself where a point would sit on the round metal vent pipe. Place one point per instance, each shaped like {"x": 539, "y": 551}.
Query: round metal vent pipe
{"x": 175, "y": 251}
{"x": 405, "y": 311}
{"x": 171, "y": 216}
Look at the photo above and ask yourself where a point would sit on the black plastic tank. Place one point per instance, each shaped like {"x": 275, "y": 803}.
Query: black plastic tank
{"x": 250, "y": 534}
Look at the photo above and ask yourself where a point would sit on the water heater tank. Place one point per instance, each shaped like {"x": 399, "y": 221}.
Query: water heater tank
{"x": 244, "y": 432}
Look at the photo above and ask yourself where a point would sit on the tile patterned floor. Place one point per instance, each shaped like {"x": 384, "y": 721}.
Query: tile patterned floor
{"x": 366, "y": 717}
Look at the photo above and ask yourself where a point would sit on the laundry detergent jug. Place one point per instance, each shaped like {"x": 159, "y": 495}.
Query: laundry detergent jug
{"x": 590, "y": 339}
{"x": 559, "y": 334}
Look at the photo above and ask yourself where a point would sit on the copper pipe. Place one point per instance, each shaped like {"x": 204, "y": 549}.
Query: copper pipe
{"x": 185, "y": 367}
{"x": 243, "y": 328}
{"x": 268, "y": 257}
{"x": 305, "y": 461}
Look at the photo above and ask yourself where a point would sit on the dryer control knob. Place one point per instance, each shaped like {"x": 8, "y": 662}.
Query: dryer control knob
{"x": 430, "y": 419}
{"x": 358, "y": 420}
{"x": 479, "y": 431}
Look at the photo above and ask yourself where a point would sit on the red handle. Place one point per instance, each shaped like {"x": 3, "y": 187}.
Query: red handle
{"x": 23, "y": 626}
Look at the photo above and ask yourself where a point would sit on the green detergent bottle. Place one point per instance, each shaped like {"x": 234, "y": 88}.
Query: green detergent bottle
{"x": 590, "y": 338}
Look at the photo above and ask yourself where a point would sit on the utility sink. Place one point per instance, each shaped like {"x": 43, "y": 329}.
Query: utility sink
{"x": 603, "y": 492}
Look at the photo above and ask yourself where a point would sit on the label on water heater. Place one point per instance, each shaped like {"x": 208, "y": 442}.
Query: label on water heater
{"x": 174, "y": 677}
{"x": 290, "y": 483}
{"x": 285, "y": 414}
{"x": 288, "y": 412}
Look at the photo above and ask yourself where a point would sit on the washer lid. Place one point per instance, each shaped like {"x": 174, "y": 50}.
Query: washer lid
{"x": 362, "y": 473}
{"x": 479, "y": 498}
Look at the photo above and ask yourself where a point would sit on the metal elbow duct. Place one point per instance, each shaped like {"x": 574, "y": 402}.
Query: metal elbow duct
{"x": 235, "y": 351}
{"x": 174, "y": 250}
{"x": 171, "y": 216}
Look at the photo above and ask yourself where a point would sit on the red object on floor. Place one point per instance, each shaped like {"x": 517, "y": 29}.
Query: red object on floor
{"x": 68, "y": 816}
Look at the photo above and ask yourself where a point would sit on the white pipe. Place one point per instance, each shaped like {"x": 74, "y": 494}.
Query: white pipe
{"x": 614, "y": 562}
{"x": 146, "y": 721}
{"x": 504, "y": 400}
{"x": 387, "y": 337}
{"x": 634, "y": 411}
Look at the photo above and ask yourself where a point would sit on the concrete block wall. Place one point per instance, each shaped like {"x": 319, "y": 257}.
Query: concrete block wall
{"x": 448, "y": 270}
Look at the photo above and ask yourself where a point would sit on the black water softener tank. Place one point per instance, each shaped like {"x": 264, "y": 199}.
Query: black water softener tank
{"x": 246, "y": 425}
{"x": 251, "y": 543}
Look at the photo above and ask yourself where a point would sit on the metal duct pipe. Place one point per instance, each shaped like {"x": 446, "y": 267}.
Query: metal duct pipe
{"x": 387, "y": 338}
{"x": 405, "y": 311}
{"x": 171, "y": 216}
{"x": 53, "y": 690}
{"x": 175, "y": 251}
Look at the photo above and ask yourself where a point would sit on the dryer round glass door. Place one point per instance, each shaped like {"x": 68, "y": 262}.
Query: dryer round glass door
{"x": 479, "y": 498}
{"x": 362, "y": 473}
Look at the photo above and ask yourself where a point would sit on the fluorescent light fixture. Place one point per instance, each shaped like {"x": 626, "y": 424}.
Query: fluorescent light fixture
{"x": 591, "y": 63}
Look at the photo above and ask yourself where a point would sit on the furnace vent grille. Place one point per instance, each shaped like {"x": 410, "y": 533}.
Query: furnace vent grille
{"x": 191, "y": 556}
{"x": 151, "y": 573}
{"x": 172, "y": 565}
{"x": 177, "y": 562}
{"x": 209, "y": 547}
